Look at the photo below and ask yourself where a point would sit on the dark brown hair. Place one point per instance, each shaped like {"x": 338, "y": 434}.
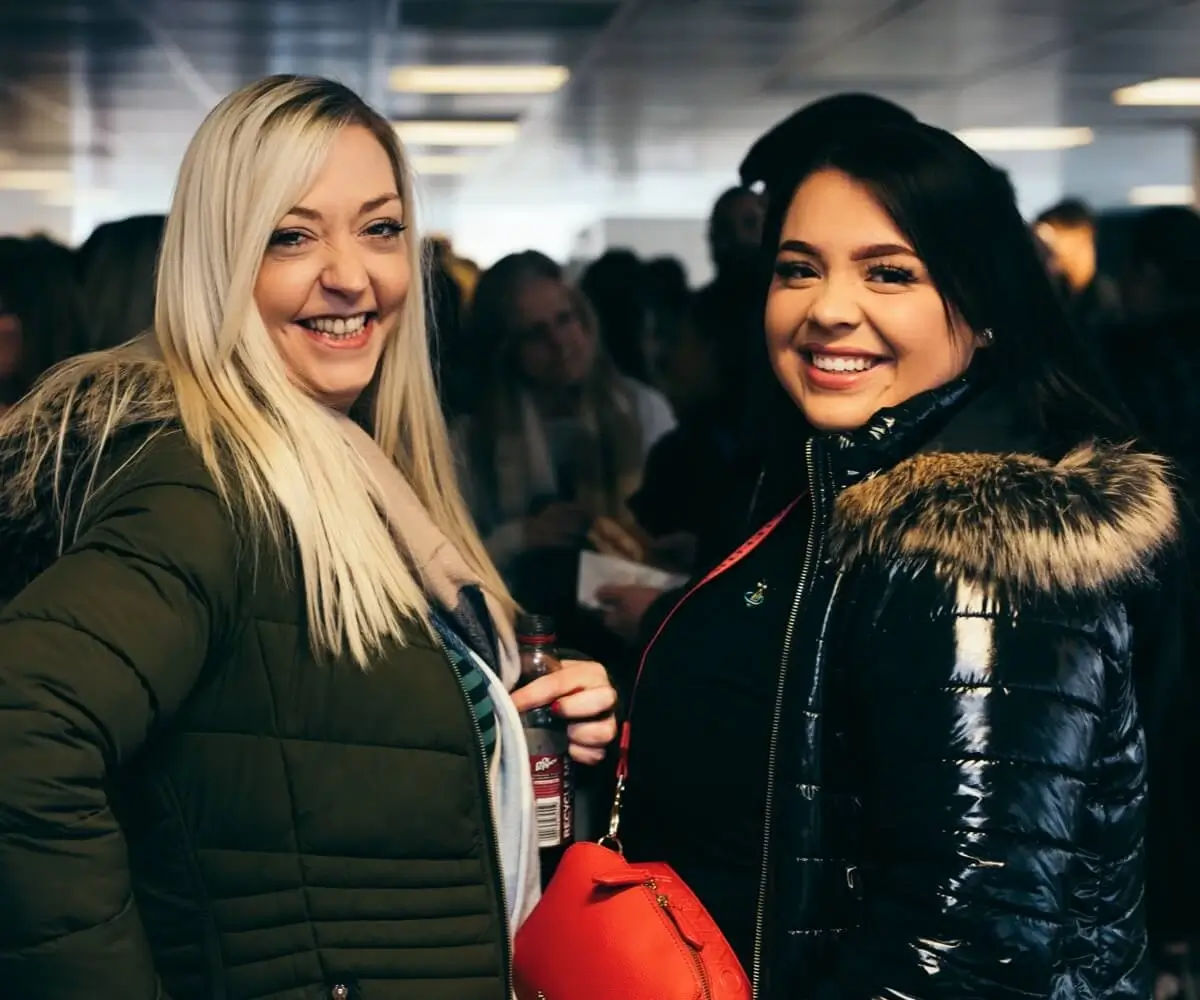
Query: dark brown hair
{"x": 38, "y": 286}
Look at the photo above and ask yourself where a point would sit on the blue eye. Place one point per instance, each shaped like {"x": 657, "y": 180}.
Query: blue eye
{"x": 388, "y": 229}
{"x": 287, "y": 238}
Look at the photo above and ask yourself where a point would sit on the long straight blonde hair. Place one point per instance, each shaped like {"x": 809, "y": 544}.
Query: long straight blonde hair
{"x": 274, "y": 452}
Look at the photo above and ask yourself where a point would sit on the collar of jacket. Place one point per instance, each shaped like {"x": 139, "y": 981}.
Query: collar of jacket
{"x": 38, "y": 525}
{"x": 955, "y": 481}
{"x": 893, "y": 434}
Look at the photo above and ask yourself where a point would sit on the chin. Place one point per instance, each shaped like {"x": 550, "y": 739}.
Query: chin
{"x": 833, "y": 416}
{"x": 838, "y": 426}
{"x": 341, "y": 399}
{"x": 572, "y": 377}
{"x": 339, "y": 394}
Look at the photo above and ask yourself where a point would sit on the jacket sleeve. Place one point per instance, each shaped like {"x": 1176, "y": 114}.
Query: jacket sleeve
{"x": 981, "y": 724}
{"x": 95, "y": 653}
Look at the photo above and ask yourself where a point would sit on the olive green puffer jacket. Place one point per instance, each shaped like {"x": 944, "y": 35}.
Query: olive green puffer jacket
{"x": 191, "y": 806}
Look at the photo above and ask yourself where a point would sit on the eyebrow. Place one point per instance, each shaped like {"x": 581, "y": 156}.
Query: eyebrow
{"x": 871, "y": 252}
{"x": 367, "y": 206}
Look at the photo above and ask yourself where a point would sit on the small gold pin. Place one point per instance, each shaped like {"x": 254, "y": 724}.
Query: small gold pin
{"x": 756, "y": 596}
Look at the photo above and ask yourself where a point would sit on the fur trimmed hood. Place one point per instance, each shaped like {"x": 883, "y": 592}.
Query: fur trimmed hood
{"x": 45, "y": 473}
{"x": 1095, "y": 520}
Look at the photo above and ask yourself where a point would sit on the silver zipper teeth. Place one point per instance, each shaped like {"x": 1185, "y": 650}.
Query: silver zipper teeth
{"x": 773, "y": 755}
{"x": 489, "y": 820}
{"x": 701, "y": 974}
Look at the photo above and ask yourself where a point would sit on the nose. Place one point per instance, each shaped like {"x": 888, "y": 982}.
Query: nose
{"x": 564, "y": 334}
{"x": 345, "y": 271}
{"x": 836, "y": 304}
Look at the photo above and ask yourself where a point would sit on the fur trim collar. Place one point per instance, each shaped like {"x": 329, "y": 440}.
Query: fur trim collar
{"x": 50, "y": 454}
{"x": 1091, "y": 522}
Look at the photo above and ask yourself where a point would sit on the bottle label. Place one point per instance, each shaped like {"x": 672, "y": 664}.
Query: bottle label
{"x": 552, "y": 798}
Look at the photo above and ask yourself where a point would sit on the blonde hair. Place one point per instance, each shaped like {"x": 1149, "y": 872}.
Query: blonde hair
{"x": 273, "y": 451}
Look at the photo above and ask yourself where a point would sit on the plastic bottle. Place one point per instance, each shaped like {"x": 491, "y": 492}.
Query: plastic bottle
{"x": 546, "y": 734}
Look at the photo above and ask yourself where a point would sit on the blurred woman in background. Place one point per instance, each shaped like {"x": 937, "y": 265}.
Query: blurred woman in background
{"x": 617, "y": 284}
{"x": 560, "y": 437}
{"x": 116, "y": 275}
{"x": 41, "y": 313}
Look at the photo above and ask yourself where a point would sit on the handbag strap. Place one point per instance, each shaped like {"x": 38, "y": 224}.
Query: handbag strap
{"x": 611, "y": 839}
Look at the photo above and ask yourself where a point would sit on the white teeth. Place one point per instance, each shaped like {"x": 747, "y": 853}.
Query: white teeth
{"x": 336, "y": 327}
{"x": 841, "y": 363}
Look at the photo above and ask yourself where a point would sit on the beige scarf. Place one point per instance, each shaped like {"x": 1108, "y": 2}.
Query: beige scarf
{"x": 433, "y": 557}
{"x": 443, "y": 573}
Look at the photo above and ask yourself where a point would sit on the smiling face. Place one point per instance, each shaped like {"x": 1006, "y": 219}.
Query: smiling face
{"x": 555, "y": 348}
{"x": 854, "y": 324}
{"x": 336, "y": 272}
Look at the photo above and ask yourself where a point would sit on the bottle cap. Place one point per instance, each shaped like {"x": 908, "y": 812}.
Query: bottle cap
{"x": 537, "y": 630}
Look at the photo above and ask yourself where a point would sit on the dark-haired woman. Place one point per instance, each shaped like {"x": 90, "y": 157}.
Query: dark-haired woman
{"x": 116, "y": 274}
{"x": 41, "y": 314}
{"x": 893, "y": 741}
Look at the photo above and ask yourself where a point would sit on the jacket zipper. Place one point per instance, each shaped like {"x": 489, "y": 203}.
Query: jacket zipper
{"x": 772, "y": 758}
{"x": 730, "y": 561}
{"x": 493, "y": 837}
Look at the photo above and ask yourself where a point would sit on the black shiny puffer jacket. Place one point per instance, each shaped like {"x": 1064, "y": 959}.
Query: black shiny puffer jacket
{"x": 956, "y": 803}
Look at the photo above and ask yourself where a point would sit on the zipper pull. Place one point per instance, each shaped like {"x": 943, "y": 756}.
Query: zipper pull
{"x": 687, "y": 929}
{"x": 621, "y": 879}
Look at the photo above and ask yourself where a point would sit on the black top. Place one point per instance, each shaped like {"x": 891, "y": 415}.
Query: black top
{"x": 701, "y": 728}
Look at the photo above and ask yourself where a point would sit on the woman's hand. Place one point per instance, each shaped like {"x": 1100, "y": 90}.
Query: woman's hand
{"x": 611, "y": 538}
{"x": 558, "y": 526}
{"x": 582, "y": 694}
{"x": 625, "y": 605}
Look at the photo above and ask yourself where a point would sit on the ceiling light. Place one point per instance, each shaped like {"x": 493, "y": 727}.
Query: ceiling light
{"x": 1162, "y": 194}
{"x": 478, "y": 79}
{"x": 440, "y": 166}
{"x": 456, "y": 133}
{"x": 1165, "y": 92}
{"x": 34, "y": 180}
{"x": 1025, "y": 139}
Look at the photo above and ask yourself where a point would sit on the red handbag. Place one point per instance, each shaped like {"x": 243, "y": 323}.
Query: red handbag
{"x": 609, "y": 930}
{"x": 606, "y": 929}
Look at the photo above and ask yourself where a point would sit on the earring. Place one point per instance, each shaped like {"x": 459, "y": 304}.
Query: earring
{"x": 987, "y": 336}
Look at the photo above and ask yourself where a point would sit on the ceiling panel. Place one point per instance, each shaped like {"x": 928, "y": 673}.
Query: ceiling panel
{"x": 665, "y": 95}
{"x": 508, "y": 17}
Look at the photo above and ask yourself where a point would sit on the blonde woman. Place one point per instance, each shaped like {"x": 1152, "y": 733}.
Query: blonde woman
{"x": 560, "y": 437}
{"x": 254, "y": 660}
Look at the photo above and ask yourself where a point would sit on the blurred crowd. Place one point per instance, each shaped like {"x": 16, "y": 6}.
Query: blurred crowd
{"x": 619, "y": 410}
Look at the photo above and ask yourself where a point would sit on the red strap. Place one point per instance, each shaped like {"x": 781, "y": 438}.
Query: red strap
{"x": 743, "y": 550}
